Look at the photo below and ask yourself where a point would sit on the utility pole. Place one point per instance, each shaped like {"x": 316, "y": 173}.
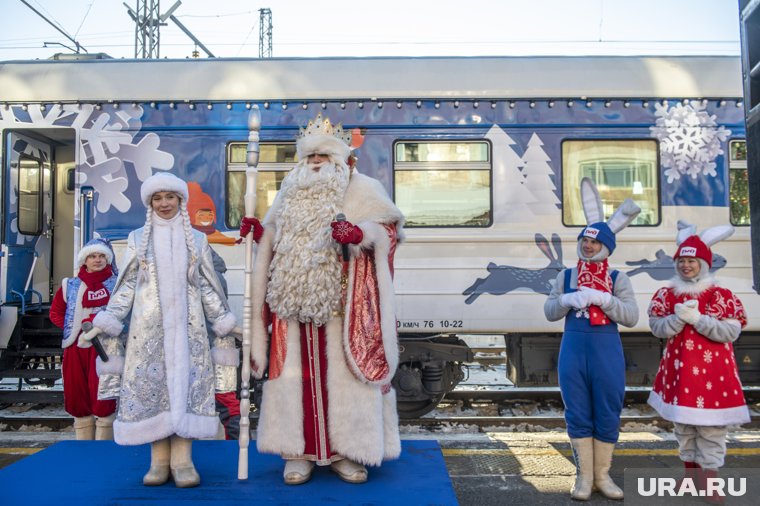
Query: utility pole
{"x": 265, "y": 33}
{"x": 148, "y": 22}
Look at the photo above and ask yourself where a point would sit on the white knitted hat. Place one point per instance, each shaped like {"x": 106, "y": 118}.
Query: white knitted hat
{"x": 162, "y": 182}
{"x": 95, "y": 246}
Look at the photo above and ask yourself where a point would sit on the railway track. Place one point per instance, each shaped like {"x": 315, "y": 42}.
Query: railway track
{"x": 518, "y": 409}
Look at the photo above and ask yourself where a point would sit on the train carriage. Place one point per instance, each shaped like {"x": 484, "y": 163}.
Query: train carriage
{"x": 483, "y": 155}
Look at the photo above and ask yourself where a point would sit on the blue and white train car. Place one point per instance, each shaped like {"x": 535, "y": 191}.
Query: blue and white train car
{"x": 483, "y": 155}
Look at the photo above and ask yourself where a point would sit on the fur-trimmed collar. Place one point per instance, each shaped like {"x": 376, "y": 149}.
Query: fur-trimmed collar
{"x": 681, "y": 286}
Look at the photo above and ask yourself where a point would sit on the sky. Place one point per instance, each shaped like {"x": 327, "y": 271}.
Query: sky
{"x": 230, "y": 28}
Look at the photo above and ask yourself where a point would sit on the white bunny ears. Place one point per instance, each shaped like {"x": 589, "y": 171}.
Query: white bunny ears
{"x": 709, "y": 236}
{"x": 592, "y": 208}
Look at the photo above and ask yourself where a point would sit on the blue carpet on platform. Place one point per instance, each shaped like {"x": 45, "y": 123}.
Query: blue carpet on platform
{"x": 103, "y": 473}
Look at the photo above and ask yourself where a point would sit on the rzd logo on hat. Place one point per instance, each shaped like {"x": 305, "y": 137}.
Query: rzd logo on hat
{"x": 591, "y": 232}
{"x": 688, "y": 251}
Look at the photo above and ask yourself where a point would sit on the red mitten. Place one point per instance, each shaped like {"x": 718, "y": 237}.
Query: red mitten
{"x": 346, "y": 232}
{"x": 89, "y": 318}
{"x": 247, "y": 224}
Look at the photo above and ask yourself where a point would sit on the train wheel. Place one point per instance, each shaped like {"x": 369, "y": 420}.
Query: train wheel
{"x": 417, "y": 408}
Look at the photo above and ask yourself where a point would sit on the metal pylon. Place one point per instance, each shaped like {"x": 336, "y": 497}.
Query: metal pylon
{"x": 265, "y": 33}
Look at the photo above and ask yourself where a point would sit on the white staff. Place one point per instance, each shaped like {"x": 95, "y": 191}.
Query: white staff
{"x": 252, "y": 160}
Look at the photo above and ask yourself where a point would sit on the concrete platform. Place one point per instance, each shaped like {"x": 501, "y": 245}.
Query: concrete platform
{"x": 498, "y": 468}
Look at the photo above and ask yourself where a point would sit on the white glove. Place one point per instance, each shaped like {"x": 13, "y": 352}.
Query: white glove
{"x": 85, "y": 338}
{"x": 596, "y": 297}
{"x": 237, "y": 333}
{"x": 688, "y": 312}
{"x": 578, "y": 300}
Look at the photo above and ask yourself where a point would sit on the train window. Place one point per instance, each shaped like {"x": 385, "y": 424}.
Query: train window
{"x": 620, "y": 169}
{"x": 29, "y": 196}
{"x": 738, "y": 183}
{"x": 443, "y": 184}
{"x": 275, "y": 160}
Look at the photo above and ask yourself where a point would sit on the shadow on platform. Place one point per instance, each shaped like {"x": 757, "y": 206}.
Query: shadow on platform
{"x": 103, "y": 473}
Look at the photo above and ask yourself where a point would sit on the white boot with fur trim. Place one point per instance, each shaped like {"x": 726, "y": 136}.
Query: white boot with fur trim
{"x": 583, "y": 453}
{"x": 602, "y": 463}
{"x": 350, "y": 471}
{"x": 104, "y": 428}
{"x": 297, "y": 471}
{"x": 158, "y": 474}
{"x": 183, "y": 470}
{"x": 84, "y": 428}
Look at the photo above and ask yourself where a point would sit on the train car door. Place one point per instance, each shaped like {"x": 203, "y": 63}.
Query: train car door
{"x": 28, "y": 224}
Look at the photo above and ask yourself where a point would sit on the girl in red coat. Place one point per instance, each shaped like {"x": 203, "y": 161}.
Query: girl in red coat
{"x": 77, "y": 301}
{"x": 697, "y": 385}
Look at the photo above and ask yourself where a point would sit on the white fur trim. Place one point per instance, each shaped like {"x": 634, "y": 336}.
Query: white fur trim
{"x": 698, "y": 416}
{"x": 162, "y": 182}
{"x": 225, "y": 356}
{"x": 115, "y": 365}
{"x": 94, "y": 248}
{"x": 224, "y": 325}
{"x": 160, "y": 427}
{"x": 108, "y": 323}
{"x": 390, "y": 426}
{"x": 355, "y": 409}
{"x": 324, "y": 144}
{"x": 681, "y": 287}
{"x": 276, "y": 433}
{"x": 259, "y": 334}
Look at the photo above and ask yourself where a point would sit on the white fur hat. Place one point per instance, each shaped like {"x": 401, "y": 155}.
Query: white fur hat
{"x": 321, "y": 136}
{"x": 95, "y": 246}
{"x": 162, "y": 182}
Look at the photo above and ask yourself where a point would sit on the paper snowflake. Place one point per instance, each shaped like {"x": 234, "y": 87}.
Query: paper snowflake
{"x": 690, "y": 139}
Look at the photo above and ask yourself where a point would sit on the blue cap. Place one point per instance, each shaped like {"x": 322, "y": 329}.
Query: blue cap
{"x": 601, "y": 232}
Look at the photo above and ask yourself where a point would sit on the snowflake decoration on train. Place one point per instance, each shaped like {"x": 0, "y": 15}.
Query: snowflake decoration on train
{"x": 102, "y": 135}
{"x": 690, "y": 139}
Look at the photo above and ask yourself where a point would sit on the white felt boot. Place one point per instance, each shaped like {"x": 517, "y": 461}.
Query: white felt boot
{"x": 158, "y": 474}
{"x": 297, "y": 471}
{"x": 84, "y": 428}
{"x": 583, "y": 453}
{"x": 350, "y": 471}
{"x": 183, "y": 470}
{"x": 104, "y": 428}
{"x": 602, "y": 463}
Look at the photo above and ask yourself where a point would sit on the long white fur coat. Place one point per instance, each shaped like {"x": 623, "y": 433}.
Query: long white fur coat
{"x": 362, "y": 421}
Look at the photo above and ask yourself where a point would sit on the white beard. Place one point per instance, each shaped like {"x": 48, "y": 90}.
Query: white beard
{"x": 304, "y": 276}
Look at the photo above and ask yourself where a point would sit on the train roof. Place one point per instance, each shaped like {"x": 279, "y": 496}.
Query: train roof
{"x": 367, "y": 78}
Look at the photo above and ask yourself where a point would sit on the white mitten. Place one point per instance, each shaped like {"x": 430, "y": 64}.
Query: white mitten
{"x": 596, "y": 297}
{"x": 578, "y": 300}
{"x": 688, "y": 312}
{"x": 85, "y": 338}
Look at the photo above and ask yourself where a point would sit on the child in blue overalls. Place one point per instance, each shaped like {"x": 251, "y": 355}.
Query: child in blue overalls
{"x": 593, "y": 299}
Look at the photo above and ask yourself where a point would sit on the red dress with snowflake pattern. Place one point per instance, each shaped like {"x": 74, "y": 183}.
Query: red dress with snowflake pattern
{"x": 698, "y": 380}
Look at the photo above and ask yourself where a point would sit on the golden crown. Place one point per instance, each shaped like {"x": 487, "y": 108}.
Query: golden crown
{"x": 319, "y": 126}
